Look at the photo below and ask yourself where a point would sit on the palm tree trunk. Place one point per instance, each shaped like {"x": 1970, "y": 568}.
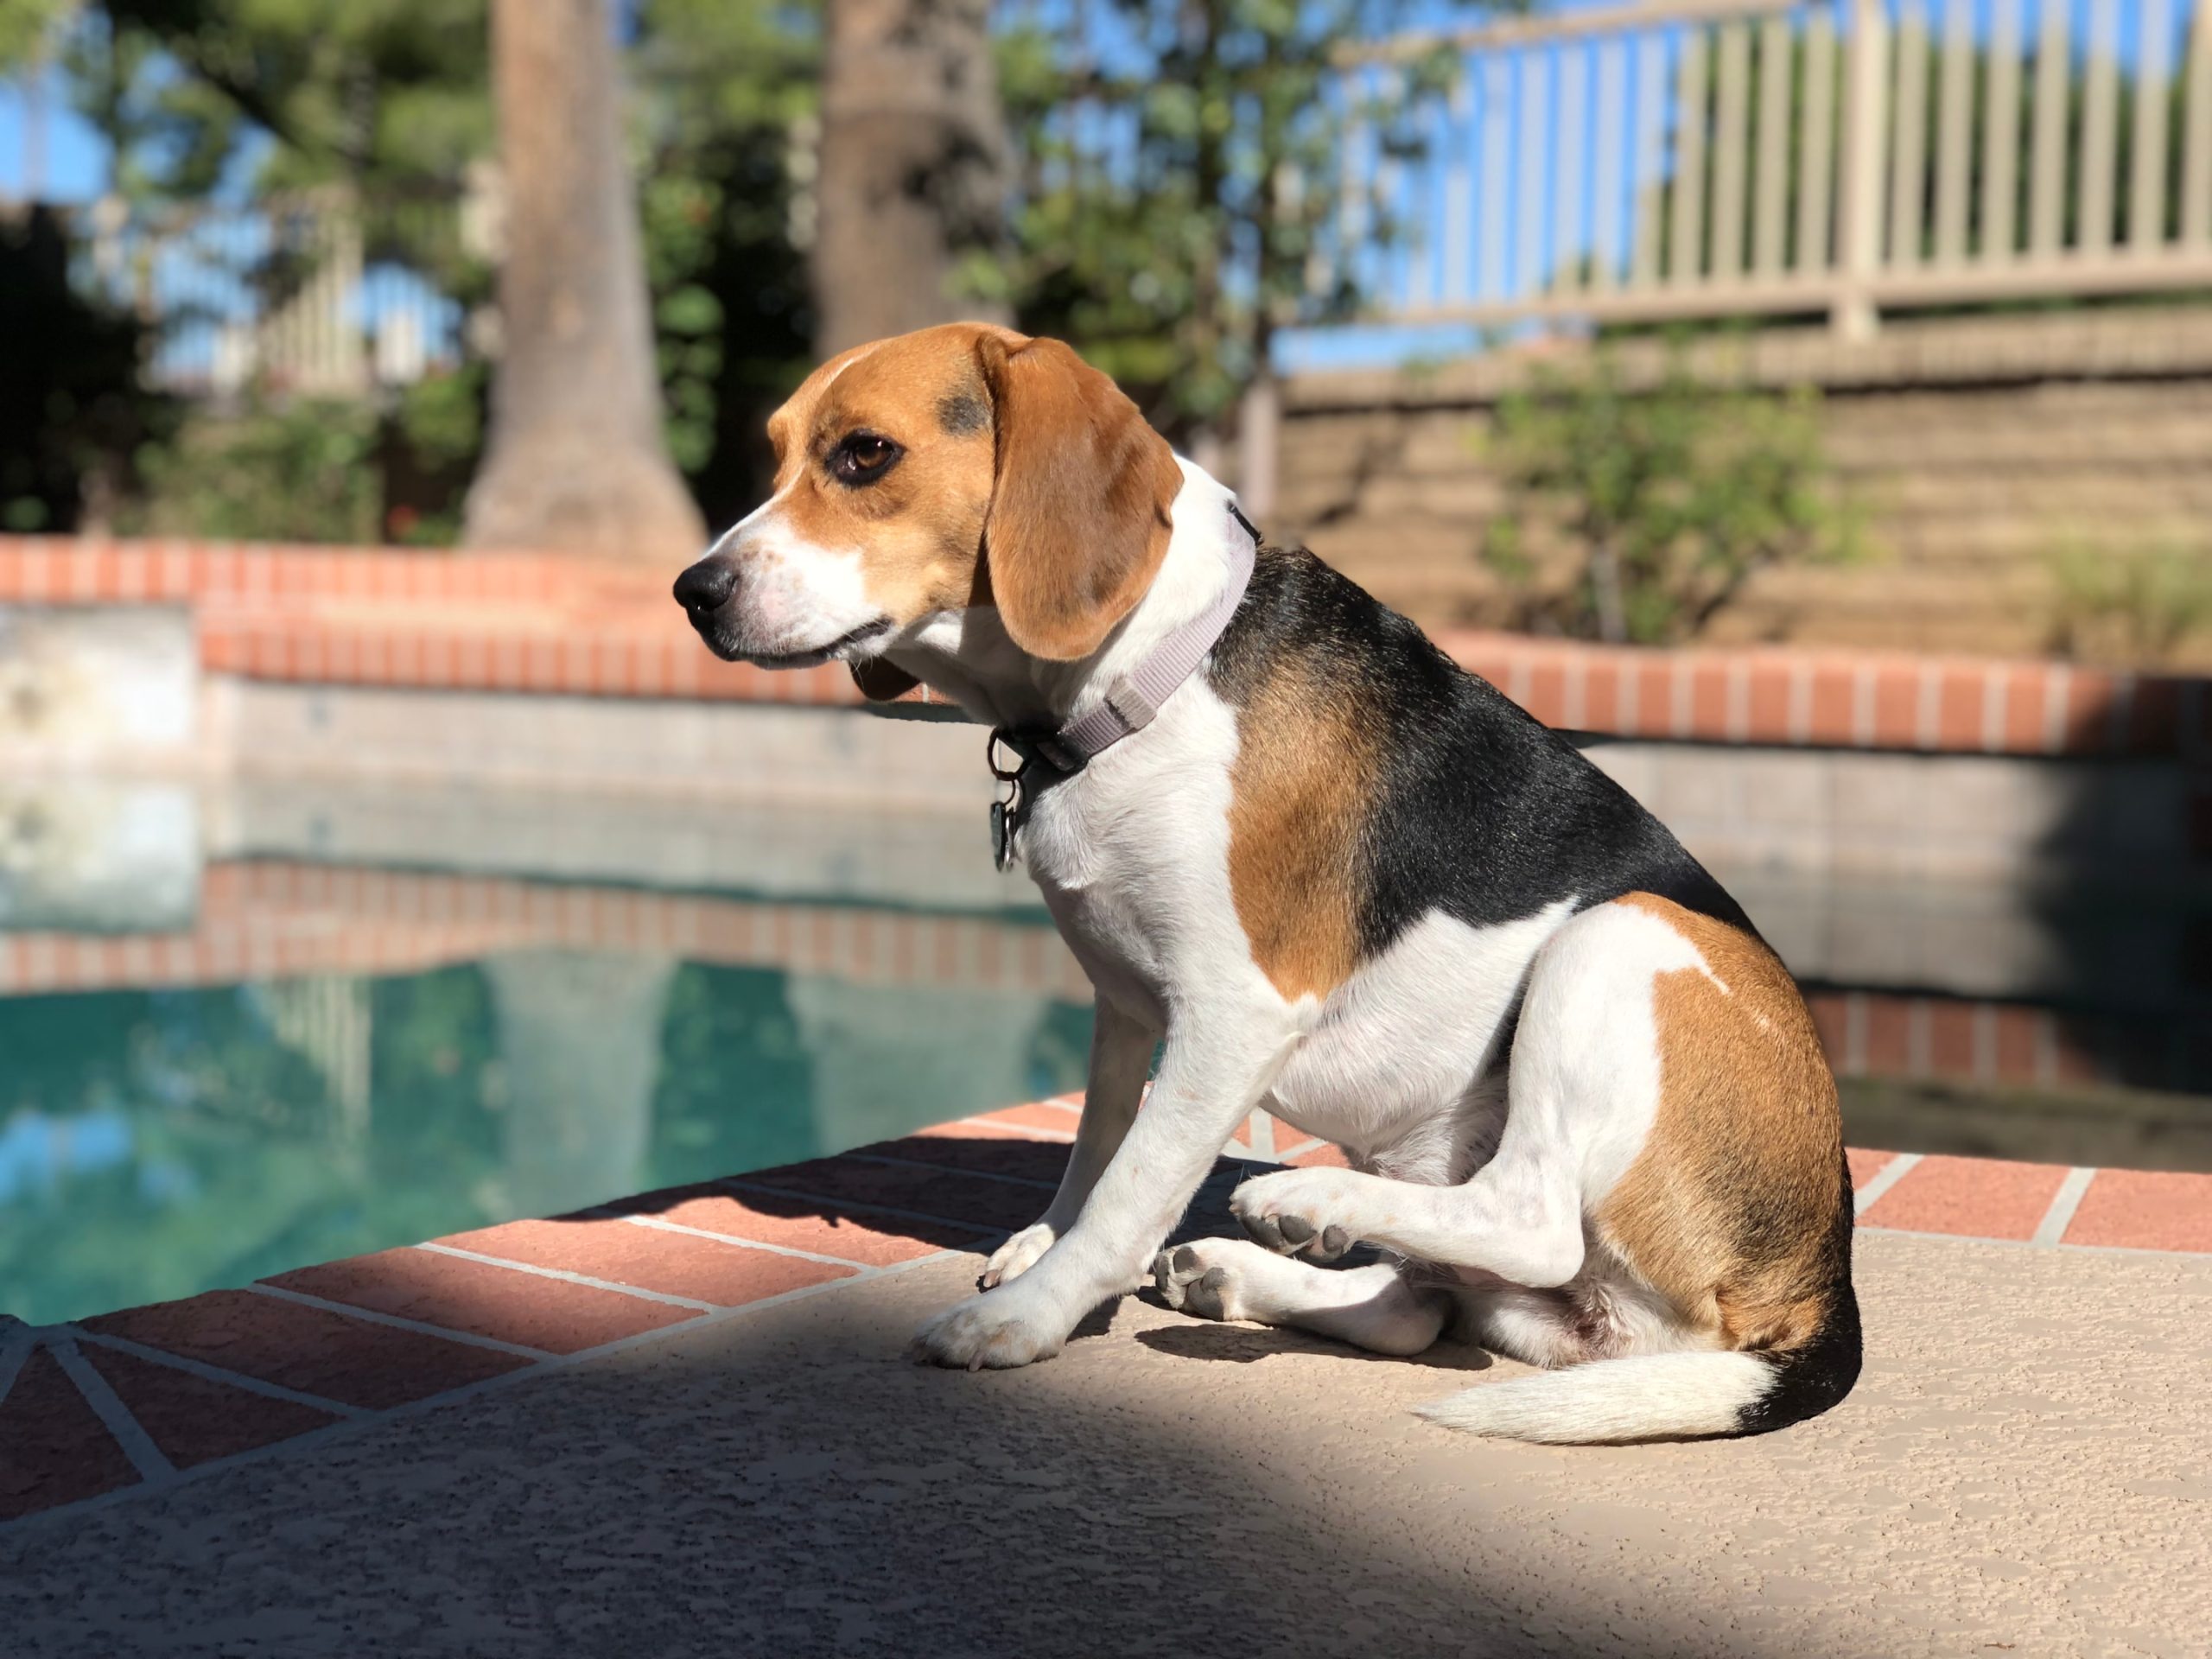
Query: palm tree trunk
{"x": 576, "y": 462}
{"x": 912, "y": 169}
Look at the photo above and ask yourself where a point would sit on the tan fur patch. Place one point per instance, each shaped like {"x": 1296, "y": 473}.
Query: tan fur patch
{"x": 1027, "y": 480}
{"x": 1299, "y": 796}
{"x": 1729, "y": 1210}
{"x": 919, "y": 529}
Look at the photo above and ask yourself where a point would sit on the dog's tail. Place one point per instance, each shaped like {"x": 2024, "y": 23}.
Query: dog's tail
{"x": 1671, "y": 1396}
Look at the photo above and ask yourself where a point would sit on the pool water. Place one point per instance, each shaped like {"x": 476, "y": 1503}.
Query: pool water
{"x": 288, "y": 1029}
{"x": 157, "y": 1143}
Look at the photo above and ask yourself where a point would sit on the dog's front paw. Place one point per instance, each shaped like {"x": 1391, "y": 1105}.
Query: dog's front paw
{"x": 1017, "y": 1256}
{"x": 1294, "y": 1213}
{"x": 998, "y": 1330}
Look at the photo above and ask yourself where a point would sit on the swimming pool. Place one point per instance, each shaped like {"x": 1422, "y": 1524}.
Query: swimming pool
{"x": 249, "y": 1027}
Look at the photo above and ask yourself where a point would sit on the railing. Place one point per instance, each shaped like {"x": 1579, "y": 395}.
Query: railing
{"x": 316, "y": 293}
{"x": 1706, "y": 158}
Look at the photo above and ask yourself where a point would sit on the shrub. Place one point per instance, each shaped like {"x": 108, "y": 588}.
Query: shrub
{"x": 1635, "y": 515}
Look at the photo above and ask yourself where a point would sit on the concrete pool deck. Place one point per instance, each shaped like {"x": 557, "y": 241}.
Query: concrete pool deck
{"x": 684, "y": 1423}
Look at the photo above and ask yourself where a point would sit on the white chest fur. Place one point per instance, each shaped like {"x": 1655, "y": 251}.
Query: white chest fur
{"x": 1132, "y": 858}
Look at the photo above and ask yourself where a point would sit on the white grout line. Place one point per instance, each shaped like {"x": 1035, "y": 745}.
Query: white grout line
{"x": 1299, "y": 1151}
{"x": 14, "y": 1352}
{"x": 398, "y": 1321}
{"x": 950, "y": 1169}
{"x": 130, "y": 1434}
{"x": 981, "y": 1229}
{"x": 201, "y": 1368}
{"x": 361, "y": 1419}
{"x": 2063, "y": 1203}
{"x": 1886, "y": 1178}
{"x": 567, "y": 1278}
{"x": 659, "y": 1223}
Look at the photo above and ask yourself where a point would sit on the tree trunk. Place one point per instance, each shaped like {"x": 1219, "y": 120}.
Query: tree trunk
{"x": 576, "y": 462}
{"x": 912, "y": 169}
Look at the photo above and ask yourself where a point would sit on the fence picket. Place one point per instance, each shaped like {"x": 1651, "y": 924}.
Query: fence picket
{"x": 2047, "y": 167}
{"x": 1771, "y": 195}
{"x": 1682, "y": 233}
{"x": 1817, "y": 146}
{"x": 1909, "y": 145}
{"x": 2099, "y": 116}
{"x": 1955, "y": 112}
{"x": 2146, "y": 196}
{"x": 1730, "y": 143}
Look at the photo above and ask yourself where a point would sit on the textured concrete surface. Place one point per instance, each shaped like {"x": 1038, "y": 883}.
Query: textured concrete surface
{"x": 2027, "y": 1467}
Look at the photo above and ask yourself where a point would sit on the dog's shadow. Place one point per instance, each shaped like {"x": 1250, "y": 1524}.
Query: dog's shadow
{"x": 1247, "y": 1344}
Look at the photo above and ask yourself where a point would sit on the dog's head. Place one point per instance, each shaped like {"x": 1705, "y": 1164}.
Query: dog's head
{"x": 958, "y": 466}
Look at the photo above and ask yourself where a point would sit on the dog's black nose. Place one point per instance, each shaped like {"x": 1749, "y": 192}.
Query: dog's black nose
{"x": 705, "y": 586}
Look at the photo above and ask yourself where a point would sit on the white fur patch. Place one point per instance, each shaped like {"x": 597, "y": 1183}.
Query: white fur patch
{"x": 1651, "y": 1396}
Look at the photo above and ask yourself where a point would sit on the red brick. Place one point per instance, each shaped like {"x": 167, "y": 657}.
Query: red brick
{"x": 1888, "y": 1040}
{"x": 978, "y": 1130}
{"x": 1835, "y": 704}
{"x": 1546, "y": 672}
{"x": 953, "y": 1147}
{"x": 1961, "y": 725}
{"x": 484, "y": 1300}
{"x": 1709, "y": 699}
{"x": 193, "y": 1419}
{"x": 2146, "y": 1210}
{"x": 1769, "y": 700}
{"x": 862, "y": 1237}
{"x": 1321, "y": 1156}
{"x": 672, "y": 1263}
{"x": 1896, "y": 706}
{"x": 2026, "y": 709}
{"x": 1866, "y": 1165}
{"x": 1042, "y": 1115}
{"x": 947, "y": 1196}
{"x": 2088, "y": 708}
{"x": 53, "y": 1449}
{"x": 350, "y": 1361}
{"x": 1951, "y": 1039}
{"x": 1601, "y": 692}
{"x": 1976, "y": 1197}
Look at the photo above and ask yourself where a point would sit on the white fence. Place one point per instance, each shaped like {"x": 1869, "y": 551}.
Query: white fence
{"x": 314, "y": 294}
{"x": 1705, "y": 158}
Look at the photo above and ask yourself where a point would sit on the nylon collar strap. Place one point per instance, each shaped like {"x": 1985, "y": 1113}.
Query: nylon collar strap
{"x": 1132, "y": 701}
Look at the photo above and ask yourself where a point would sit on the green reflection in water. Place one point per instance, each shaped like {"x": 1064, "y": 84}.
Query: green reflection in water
{"x": 154, "y": 1144}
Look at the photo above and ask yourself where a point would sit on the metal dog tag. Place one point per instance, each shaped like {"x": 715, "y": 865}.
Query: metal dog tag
{"x": 1001, "y": 836}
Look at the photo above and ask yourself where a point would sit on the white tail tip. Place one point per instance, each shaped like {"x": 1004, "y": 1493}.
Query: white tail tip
{"x": 1649, "y": 1396}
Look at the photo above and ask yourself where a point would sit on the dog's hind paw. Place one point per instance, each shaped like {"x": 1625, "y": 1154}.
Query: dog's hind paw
{"x": 1194, "y": 1280}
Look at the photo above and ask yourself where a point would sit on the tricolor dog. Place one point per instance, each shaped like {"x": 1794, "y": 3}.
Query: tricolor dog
{"x": 1340, "y": 879}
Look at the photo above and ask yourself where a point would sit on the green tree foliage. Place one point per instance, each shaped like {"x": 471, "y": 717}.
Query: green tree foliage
{"x": 1178, "y": 170}
{"x": 388, "y": 101}
{"x": 1664, "y": 500}
{"x": 28, "y": 29}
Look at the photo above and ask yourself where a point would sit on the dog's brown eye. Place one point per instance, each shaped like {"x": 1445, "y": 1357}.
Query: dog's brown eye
{"x": 863, "y": 458}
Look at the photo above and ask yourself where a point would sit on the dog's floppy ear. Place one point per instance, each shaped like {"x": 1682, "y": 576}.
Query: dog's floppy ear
{"x": 880, "y": 682}
{"x": 1079, "y": 514}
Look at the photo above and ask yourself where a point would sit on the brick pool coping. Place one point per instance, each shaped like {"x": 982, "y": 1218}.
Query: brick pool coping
{"x": 534, "y": 623}
{"x": 127, "y": 1404}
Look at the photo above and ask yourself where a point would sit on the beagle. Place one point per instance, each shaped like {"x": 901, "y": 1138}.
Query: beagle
{"x": 1588, "y": 1122}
